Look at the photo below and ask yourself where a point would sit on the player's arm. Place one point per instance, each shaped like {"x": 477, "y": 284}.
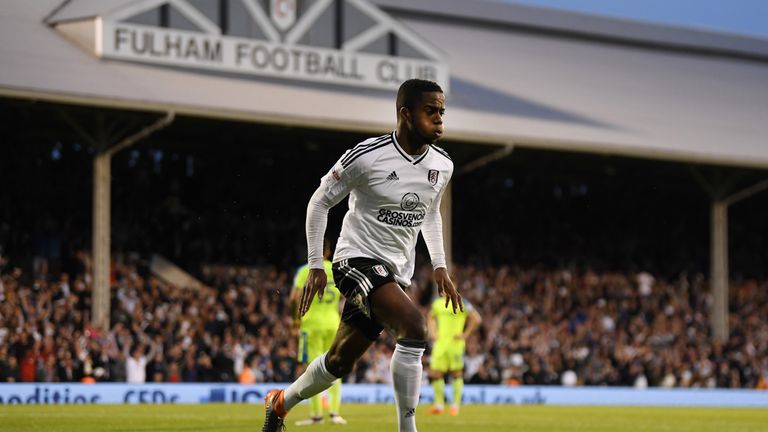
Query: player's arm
{"x": 154, "y": 347}
{"x": 334, "y": 186}
{"x": 126, "y": 348}
{"x": 432, "y": 231}
{"x": 293, "y": 300}
{"x": 473, "y": 322}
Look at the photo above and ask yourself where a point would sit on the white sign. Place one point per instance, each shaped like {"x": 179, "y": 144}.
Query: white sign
{"x": 152, "y": 393}
{"x": 249, "y": 56}
{"x": 278, "y": 55}
{"x": 283, "y": 13}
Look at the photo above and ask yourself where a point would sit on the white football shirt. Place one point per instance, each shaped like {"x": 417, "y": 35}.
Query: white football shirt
{"x": 392, "y": 196}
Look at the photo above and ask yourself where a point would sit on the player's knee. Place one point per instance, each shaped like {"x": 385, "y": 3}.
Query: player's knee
{"x": 338, "y": 365}
{"x": 415, "y": 327}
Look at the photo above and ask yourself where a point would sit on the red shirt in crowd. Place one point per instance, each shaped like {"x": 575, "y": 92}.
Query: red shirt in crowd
{"x": 28, "y": 366}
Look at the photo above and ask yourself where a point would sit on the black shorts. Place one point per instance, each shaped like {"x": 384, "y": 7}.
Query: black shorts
{"x": 357, "y": 278}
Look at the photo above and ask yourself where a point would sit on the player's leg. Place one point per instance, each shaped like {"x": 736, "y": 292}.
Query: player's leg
{"x": 302, "y": 356}
{"x": 356, "y": 333}
{"x": 348, "y": 346}
{"x": 438, "y": 366}
{"x": 310, "y": 347}
{"x": 395, "y": 310}
{"x": 334, "y": 392}
{"x": 457, "y": 377}
{"x": 438, "y": 385}
{"x": 457, "y": 382}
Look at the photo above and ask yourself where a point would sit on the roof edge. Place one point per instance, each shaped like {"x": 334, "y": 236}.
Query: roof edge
{"x": 375, "y": 127}
{"x": 594, "y": 27}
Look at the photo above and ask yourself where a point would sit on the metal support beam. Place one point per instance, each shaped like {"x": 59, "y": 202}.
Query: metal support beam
{"x": 746, "y": 193}
{"x": 485, "y": 160}
{"x": 102, "y": 172}
{"x": 102, "y": 202}
{"x": 446, "y": 204}
{"x": 719, "y": 270}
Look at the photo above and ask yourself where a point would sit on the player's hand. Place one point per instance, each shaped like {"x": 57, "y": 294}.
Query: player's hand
{"x": 446, "y": 288}
{"x": 315, "y": 286}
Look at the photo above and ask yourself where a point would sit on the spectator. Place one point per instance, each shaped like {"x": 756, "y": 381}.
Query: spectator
{"x": 174, "y": 375}
{"x": 156, "y": 368}
{"x": 11, "y": 372}
{"x": 136, "y": 363}
{"x": 541, "y": 327}
{"x": 68, "y": 371}
{"x": 205, "y": 372}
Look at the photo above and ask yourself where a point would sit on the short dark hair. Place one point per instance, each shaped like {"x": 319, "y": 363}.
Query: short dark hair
{"x": 410, "y": 92}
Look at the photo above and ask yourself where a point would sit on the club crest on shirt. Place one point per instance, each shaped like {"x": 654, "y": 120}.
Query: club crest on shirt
{"x": 336, "y": 175}
{"x": 380, "y": 270}
{"x": 409, "y": 202}
{"x": 432, "y": 176}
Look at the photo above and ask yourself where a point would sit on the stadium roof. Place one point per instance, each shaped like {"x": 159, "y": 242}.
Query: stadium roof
{"x": 519, "y": 75}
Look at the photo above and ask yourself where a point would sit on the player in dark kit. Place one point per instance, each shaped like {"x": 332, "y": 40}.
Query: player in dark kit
{"x": 395, "y": 183}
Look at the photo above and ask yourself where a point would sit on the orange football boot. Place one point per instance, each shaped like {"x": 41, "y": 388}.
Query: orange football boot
{"x": 435, "y": 410}
{"x": 274, "y": 411}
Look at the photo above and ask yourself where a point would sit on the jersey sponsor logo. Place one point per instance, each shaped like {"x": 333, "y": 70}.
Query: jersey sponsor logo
{"x": 393, "y": 176}
{"x": 403, "y": 219}
{"x": 380, "y": 270}
{"x": 432, "y": 176}
{"x": 409, "y": 201}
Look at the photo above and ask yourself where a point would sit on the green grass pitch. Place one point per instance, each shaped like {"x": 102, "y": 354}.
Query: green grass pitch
{"x": 379, "y": 418}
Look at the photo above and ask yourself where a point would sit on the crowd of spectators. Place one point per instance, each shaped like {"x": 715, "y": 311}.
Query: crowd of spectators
{"x": 540, "y": 327}
{"x": 583, "y": 328}
{"x": 192, "y": 202}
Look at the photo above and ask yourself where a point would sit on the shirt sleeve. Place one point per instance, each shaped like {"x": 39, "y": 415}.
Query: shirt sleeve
{"x": 432, "y": 231}
{"x": 334, "y": 186}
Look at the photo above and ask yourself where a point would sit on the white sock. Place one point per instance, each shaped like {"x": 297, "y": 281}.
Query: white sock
{"x": 313, "y": 381}
{"x": 406, "y": 378}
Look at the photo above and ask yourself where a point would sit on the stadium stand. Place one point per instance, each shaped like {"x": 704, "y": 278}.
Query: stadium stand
{"x": 542, "y": 327}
